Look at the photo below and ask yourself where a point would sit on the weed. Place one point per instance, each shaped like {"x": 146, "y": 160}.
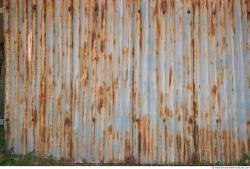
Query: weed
{"x": 1, "y": 139}
{"x": 245, "y": 160}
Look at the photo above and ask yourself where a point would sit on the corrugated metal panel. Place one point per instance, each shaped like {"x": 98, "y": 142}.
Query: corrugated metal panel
{"x": 150, "y": 82}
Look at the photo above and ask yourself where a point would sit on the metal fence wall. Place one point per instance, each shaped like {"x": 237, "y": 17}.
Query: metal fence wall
{"x": 136, "y": 81}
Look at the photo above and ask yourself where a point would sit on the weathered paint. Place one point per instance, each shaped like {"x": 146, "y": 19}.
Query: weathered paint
{"x": 136, "y": 81}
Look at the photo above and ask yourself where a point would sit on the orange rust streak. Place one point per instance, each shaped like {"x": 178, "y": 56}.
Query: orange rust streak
{"x": 170, "y": 77}
{"x": 7, "y": 74}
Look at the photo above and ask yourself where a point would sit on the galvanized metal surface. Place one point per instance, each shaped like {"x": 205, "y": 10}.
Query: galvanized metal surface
{"x": 144, "y": 81}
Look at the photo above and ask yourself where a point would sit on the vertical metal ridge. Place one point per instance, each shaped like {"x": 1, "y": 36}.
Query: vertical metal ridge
{"x": 246, "y": 26}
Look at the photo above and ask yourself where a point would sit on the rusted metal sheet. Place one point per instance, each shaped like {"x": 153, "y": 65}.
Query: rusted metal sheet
{"x": 136, "y": 81}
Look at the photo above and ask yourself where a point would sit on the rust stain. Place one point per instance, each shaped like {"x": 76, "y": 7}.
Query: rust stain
{"x": 110, "y": 130}
{"x": 169, "y": 112}
{"x": 7, "y": 74}
{"x": 34, "y": 117}
{"x": 127, "y": 149}
{"x": 140, "y": 29}
{"x": 222, "y": 75}
{"x": 101, "y": 154}
{"x": 139, "y": 139}
{"x": 189, "y": 87}
{"x": 207, "y": 115}
{"x": 164, "y": 6}
{"x": 161, "y": 104}
{"x": 43, "y": 83}
{"x": 171, "y": 145}
{"x": 170, "y": 77}
{"x": 214, "y": 90}
{"x": 231, "y": 14}
{"x": 226, "y": 146}
{"x": 93, "y": 39}
{"x": 213, "y": 20}
{"x": 248, "y": 81}
{"x": 155, "y": 10}
{"x": 244, "y": 148}
{"x": 224, "y": 44}
{"x": 172, "y": 4}
{"x": 145, "y": 136}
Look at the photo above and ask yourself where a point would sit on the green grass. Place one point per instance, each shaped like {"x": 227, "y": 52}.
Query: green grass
{"x": 1, "y": 139}
{"x": 30, "y": 159}
{"x": 8, "y": 158}
{"x": 245, "y": 160}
